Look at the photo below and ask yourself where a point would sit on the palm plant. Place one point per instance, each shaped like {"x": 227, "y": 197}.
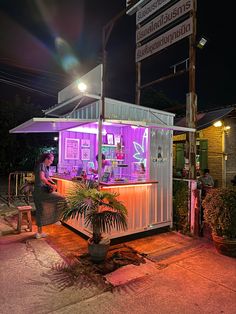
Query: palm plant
{"x": 102, "y": 211}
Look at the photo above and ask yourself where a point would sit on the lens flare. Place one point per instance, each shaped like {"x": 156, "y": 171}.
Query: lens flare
{"x": 67, "y": 58}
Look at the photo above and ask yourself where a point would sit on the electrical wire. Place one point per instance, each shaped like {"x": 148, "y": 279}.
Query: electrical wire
{"x": 32, "y": 75}
{"x": 29, "y": 83}
{"x": 36, "y": 85}
{"x": 25, "y": 87}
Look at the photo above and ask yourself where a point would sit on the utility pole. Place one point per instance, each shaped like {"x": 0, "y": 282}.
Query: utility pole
{"x": 191, "y": 101}
{"x": 106, "y": 32}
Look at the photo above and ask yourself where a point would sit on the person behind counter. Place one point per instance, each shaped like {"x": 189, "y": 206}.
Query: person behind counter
{"x": 45, "y": 197}
{"x": 104, "y": 163}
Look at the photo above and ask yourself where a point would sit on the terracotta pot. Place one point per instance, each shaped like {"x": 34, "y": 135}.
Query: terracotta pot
{"x": 98, "y": 252}
{"x": 225, "y": 246}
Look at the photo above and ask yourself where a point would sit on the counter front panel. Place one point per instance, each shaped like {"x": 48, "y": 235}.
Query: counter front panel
{"x": 140, "y": 199}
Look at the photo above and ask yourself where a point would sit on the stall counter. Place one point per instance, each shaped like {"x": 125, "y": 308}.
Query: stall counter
{"x": 140, "y": 199}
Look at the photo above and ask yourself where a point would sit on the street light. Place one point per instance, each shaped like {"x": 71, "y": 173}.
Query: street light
{"x": 202, "y": 42}
{"x": 82, "y": 87}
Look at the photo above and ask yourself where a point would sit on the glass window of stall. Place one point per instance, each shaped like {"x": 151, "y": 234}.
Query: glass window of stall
{"x": 125, "y": 149}
{"x": 124, "y": 152}
{"x": 77, "y": 150}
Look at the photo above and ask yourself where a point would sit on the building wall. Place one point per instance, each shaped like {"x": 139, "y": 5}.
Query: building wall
{"x": 221, "y": 150}
{"x": 215, "y": 151}
{"x": 230, "y": 150}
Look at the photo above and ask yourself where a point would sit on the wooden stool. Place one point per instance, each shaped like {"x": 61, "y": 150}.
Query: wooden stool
{"x": 24, "y": 210}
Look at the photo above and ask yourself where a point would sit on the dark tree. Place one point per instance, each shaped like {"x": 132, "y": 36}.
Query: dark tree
{"x": 19, "y": 151}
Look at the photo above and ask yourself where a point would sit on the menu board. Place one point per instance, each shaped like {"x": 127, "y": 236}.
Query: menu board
{"x": 71, "y": 148}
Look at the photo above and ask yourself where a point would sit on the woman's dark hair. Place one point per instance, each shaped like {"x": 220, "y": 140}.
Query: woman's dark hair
{"x": 103, "y": 157}
{"x": 44, "y": 156}
{"x": 206, "y": 171}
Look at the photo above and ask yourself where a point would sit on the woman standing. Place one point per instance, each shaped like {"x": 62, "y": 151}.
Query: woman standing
{"x": 48, "y": 202}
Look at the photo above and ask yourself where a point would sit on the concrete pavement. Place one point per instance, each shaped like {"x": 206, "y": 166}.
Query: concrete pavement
{"x": 181, "y": 275}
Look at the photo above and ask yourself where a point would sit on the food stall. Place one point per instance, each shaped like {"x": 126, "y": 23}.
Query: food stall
{"x": 136, "y": 142}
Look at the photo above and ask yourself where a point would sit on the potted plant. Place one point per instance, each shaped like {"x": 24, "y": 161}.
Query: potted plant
{"x": 102, "y": 212}
{"x": 220, "y": 214}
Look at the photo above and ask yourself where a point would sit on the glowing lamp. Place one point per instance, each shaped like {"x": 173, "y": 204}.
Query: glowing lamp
{"x": 202, "y": 42}
{"x": 218, "y": 124}
{"x": 82, "y": 87}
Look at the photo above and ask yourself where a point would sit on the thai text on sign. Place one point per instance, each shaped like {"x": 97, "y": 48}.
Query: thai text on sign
{"x": 149, "y": 9}
{"x": 172, "y": 36}
{"x": 167, "y": 17}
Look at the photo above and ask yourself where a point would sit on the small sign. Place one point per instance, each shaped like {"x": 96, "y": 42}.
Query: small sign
{"x": 71, "y": 148}
{"x": 85, "y": 142}
{"x": 85, "y": 153}
{"x": 116, "y": 139}
{"x": 110, "y": 139}
{"x": 106, "y": 177}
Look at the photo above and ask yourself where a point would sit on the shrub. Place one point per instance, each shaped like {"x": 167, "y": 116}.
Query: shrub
{"x": 180, "y": 206}
{"x": 220, "y": 211}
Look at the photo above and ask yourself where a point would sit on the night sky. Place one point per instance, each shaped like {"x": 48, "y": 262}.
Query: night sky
{"x": 31, "y": 54}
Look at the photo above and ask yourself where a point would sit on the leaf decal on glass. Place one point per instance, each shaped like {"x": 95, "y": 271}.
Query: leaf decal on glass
{"x": 139, "y": 152}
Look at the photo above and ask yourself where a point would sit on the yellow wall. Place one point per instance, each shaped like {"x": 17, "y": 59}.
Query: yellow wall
{"x": 215, "y": 150}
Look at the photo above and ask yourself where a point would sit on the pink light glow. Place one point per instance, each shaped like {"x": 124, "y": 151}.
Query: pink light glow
{"x": 126, "y": 186}
{"x": 85, "y": 129}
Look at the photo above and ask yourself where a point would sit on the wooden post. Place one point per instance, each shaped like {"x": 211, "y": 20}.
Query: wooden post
{"x": 138, "y": 83}
{"x": 191, "y": 103}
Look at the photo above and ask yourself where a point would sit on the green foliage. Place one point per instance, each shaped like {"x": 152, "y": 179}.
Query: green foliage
{"x": 220, "y": 211}
{"x": 180, "y": 206}
{"x": 101, "y": 209}
{"x": 18, "y": 152}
